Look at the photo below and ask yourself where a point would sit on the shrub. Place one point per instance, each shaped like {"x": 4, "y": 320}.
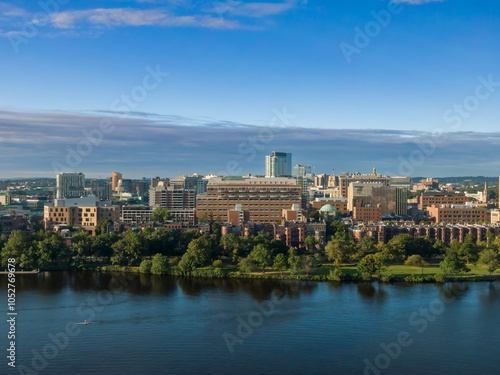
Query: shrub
{"x": 145, "y": 266}
{"x": 416, "y": 261}
{"x": 217, "y": 263}
{"x": 335, "y": 275}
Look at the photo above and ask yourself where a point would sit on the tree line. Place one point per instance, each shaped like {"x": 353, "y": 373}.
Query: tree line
{"x": 164, "y": 251}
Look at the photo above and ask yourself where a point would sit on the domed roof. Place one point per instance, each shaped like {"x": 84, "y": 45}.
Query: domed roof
{"x": 328, "y": 208}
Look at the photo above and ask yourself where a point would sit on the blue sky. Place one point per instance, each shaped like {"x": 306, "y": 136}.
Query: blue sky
{"x": 365, "y": 81}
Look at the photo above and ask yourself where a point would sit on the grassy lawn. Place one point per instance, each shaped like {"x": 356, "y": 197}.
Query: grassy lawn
{"x": 400, "y": 270}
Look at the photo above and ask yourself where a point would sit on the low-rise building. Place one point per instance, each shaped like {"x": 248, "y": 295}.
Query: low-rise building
{"x": 458, "y": 214}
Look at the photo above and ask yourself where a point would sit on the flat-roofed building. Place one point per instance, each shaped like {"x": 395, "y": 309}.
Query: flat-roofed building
{"x": 78, "y": 216}
{"x": 427, "y": 199}
{"x": 70, "y": 185}
{"x": 495, "y": 216}
{"x": 264, "y": 198}
{"x": 367, "y": 213}
{"x": 456, "y": 214}
{"x": 345, "y": 179}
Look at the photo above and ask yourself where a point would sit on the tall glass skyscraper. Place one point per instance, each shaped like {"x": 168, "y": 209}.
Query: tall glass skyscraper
{"x": 279, "y": 164}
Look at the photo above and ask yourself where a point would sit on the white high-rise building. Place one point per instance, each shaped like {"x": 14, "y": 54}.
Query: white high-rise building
{"x": 70, "y": 185}
{"x": 279, "y": 164}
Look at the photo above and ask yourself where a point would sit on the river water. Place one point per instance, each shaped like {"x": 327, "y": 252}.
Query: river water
{"x": 158, "y": 325}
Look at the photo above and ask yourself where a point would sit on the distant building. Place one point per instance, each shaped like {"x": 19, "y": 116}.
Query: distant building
{"x": 5, "y": 199}
{"x": 115, "y": 179}
{"x": 495, "y": 216}
{"x": 301, "y": 170}
{"x": 367, "y": 213}
{"x": 340, "y": 204}
{"x": 402, "y": 182}
{"x": 392, "y": 200}
{"x": 101, "y": 189}
{"x": 279, "y": 164}
{"x": 136, "y": 215}
{"x": 70, "y": 185}
{"x": 458, "y": 214}
{"x": 78, "y": 213}
{"x": 321, "y": 180}
{"x": 427, "y": 199}
{"x": 263, "y": 198}
{"x": 345, "y": 179}
{"x": 178, "y": 200}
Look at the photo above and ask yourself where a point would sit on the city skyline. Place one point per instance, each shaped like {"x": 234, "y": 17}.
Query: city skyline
{"x": 210, "y": 87}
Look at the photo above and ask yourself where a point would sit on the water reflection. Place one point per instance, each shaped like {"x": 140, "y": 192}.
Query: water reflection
{"x": 452, "y": 291}
{"x": 491, "y": 294}
{"x": 372, "y": 291}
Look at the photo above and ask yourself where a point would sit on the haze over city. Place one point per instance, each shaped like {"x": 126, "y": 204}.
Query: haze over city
{"x": 188, "y": 86}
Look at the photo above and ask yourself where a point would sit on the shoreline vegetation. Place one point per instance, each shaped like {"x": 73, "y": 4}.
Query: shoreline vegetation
{"x": 348, "y": 273}
{"x": 162, "y": 251}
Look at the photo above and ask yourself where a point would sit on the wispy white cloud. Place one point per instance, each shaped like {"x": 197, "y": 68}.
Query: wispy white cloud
{"x": 252, "y": 9}
{"x": 225, "y": 14}
{"x": 119, "y": 17}
{"x": 416, "y": 2}
{"x": 9, "y": 10}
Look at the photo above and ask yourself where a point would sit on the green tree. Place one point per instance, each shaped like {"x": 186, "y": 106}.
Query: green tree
{"x": 469, "y": 250}
{"x": 261, "y": 255}
{"x": 372, "y": 264}
{"x": 202, "y": 249}
{"x": 161, "y": 214}
{"x": 294, "y": 261}
{"x": 336, "y": 228}
{"x": 453, "y": 264}
{"x": 314, "y": 215}
{"x": 231, "y": 242}
{"x": 368, "y": 245}
{"x": 186, "y": 237}
{"x": 399, "y": 246}
{"x": 310, "y": 243}
{"x": 20, "y": 247}
{"x": 277, "y": 247}
{"x": 280, "y": 263}
{"x": 188, "y": 263}
{"x": 102, "y": 226}
{"x": 127, "y": 250}
{"x": 52, "y": 249}
{"x": 247, "y": 265}
{"x": 490, "y": 258}
{"x": 308, "y": 263}
{"x": 162, "y": 241}
{"x": 340, "y": 248}
{"x": 81, "y": 244}
{"x": 160, "y": 265}
{"x": 102, "y": 245}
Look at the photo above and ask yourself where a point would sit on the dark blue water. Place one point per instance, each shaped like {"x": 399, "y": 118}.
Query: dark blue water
{"x": 153, "y": 325}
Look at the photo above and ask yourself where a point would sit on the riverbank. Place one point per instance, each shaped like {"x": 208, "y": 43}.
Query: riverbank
{"x": 343, "y": 273}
